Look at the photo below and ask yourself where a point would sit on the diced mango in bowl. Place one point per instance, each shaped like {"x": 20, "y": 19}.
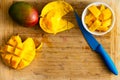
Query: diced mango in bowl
{"x": 98, "y": 18}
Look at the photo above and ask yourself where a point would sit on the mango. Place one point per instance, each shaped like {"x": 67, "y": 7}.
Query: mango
{"x": 95, "y": 25}
{"x": 52, "y": 14}
{"x": 95, "y": 11}
{"x": 98, "y": 18}
{"x": 102, "y": 28}
{"x": 19, "y": 57}
{"x": 106, "y": 14}
{"x": 107, "y": 22}
{"x": 102, "y": 7}
{"x": 24, "y": 14}
{"x": 89, "y": 19}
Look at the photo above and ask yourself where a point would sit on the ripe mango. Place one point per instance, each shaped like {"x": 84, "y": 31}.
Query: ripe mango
{"x": 18, "y": 54}
{"x": 24, "y": 14}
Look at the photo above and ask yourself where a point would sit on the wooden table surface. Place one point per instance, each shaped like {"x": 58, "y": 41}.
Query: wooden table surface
{"x": 66, "y": 55}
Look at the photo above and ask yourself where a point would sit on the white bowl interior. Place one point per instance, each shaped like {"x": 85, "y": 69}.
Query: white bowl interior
{"x": 86, "y": 11}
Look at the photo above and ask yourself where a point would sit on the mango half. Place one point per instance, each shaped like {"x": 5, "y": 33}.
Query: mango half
{"x": 52, "y": 20}
{"x": 18, "y": 54}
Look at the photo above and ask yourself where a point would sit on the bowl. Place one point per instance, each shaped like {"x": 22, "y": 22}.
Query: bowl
{"x": 85, "y": 12}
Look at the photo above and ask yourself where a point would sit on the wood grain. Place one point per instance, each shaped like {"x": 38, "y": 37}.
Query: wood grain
{"x": 66, "y": 55}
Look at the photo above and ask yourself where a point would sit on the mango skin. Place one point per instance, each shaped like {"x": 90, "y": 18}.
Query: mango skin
{"x": 24, "y": 14}
{"x": 52, "y": 14}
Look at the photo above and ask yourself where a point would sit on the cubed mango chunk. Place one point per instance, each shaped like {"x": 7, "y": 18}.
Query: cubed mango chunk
{"x": 95, "y": 11}
{"x": 9, "y": 49}
{"x": 17, "y": 52}
{"x": 15, "y": 61}
{"x": 106, "y": 14}
{"x": 102, "y": 28}
{"x": 107, "y": 22}
{"x": 89, "y": 19}
{"x": 102, "y": 7}
{"x": 95, "y": 25}
{"x": 7, "y": 58}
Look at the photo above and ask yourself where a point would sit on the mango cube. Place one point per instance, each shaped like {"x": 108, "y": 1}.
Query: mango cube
{"x": 15, "y": 61}
{"x": 95, "y": 25}
{"x": 12, "y": 42}
{"x": 102, "y": 7}
{"x": 89, "y": 19}
{"x": 9, "y": 49}
{"x": 106, "y": 14}
{"x": 20, "y": 46}
{"x": 107, "y": 22}
{"x": 7, "y": 58}
{"x": 105, "y": 25}
{"x": 102, "y": 28}
{"x": 95, "y": 11}
{"x": 17, "y": 52}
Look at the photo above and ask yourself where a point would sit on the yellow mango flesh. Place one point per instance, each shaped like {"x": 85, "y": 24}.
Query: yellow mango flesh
{"x": 89, "y": 19}
{"x": 95, "y": 11}
{"x": 107, "y": 22}
{"x": 102, "y": 7}
{"x": 18, "y": 54}
{"x": 98, "y": 18}
{"x": 106, "y": 14}
{"x": 102, "y": 28}
{"x": 104, "y": 25}
{"x": 52, "y": 21}
{"x": 95, "y": 25}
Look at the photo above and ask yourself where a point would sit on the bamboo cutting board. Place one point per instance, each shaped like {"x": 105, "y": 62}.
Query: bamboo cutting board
{"x": 66, "y": 55}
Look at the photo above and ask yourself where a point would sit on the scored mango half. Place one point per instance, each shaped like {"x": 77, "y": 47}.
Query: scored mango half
{"x": 18, "y": 54}
{"x": 52, "y": 21}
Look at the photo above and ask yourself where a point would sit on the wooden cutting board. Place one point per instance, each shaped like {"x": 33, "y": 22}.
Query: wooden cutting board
{"x": 66, "y": 55}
